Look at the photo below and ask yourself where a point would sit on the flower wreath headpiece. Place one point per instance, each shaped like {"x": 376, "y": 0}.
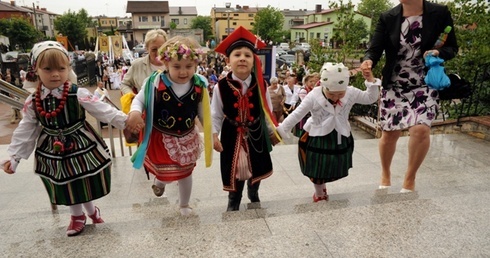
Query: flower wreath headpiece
{"x": 180, "y": 51}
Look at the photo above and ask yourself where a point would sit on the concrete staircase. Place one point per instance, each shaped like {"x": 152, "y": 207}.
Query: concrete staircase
{"x": 446, "y": 217}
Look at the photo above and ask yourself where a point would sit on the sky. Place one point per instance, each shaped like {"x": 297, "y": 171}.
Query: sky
{"x": 118, "y": 7}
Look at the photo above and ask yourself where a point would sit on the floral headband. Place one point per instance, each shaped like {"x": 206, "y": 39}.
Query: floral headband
{"x": 179, "y": 52}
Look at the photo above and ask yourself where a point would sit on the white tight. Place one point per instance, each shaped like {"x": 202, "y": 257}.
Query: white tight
{"x": 185, "y": 189}
{"x": 77, "y": 209}
{"x": 319, "y": 190}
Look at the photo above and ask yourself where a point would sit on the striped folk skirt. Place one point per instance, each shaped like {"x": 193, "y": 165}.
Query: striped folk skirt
{"x": 80, "y": 190}
{"x": 323, "y": 160}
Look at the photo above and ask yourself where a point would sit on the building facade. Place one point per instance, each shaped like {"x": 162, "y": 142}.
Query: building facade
{"x": 182, "y": 16}
{"x": 148, "y": 15}
{"x": 225, "y": 20}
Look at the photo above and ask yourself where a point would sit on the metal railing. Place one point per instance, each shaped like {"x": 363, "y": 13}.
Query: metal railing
{"x": 15, "y": 96}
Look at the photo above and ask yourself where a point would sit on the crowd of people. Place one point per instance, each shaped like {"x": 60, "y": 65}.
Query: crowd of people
{"x": 169, "y": 92}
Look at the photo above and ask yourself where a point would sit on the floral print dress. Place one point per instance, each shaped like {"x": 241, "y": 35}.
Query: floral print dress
{"x": 409, "y": 102}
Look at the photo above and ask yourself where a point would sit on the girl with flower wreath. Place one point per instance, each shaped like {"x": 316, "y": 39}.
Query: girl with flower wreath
{"x": 170, "y": 101}
{"x": 72, "y": 160}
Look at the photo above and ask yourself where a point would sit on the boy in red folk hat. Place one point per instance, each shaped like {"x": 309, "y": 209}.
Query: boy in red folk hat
{"x": 241, "y": 111}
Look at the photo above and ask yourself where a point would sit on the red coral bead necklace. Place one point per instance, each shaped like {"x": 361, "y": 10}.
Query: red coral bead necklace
{"x": 61, "y": 106}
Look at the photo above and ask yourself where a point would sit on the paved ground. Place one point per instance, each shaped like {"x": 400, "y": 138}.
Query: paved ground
{"x": 446, "y": 217}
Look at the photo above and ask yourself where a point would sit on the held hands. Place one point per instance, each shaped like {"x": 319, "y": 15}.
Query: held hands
{"x": 9, "y": 166}
{"x": 367, "y": 71}
{"x": 274, "y": 139}
{"x": 216, "y": 143}
{"x": 135, "y": 122}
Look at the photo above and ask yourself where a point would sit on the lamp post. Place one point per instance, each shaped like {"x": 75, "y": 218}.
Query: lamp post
{"x": 228, "y": 5}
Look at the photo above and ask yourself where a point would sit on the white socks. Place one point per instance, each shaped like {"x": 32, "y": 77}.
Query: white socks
{"x": 185, "y": 189}
{"x": 89, "y": 207}
{"x": 77, "y": 209}
{"x": 319, "y": 190}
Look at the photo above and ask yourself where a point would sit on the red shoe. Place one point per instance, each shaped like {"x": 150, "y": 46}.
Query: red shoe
{"x": 77, "y": 224}
{"x": 96, "y": 219}
{"x": 317, "y": 199}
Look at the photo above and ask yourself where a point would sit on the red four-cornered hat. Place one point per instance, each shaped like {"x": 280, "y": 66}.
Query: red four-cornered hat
{"x": 241, "y": 37}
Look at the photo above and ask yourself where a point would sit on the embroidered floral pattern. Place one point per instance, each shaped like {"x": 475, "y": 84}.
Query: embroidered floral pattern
{"x": 184, "y": 150}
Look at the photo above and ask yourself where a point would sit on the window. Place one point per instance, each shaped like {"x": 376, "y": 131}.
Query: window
{"x": 234, "y": 23}
{"x": 176, "y": 21}
{"x": 155, "y": 18}
{"x": 143, "y": 18}
{"x": 236, "y": 14}
{"x": 328, "y": 19}
{"x": 185, "y": 21}
{"x": 250, "y": 15}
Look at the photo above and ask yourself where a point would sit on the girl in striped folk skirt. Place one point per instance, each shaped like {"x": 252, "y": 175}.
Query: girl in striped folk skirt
{"x": 326, "y": 147}
{"x": 70, "y": 157}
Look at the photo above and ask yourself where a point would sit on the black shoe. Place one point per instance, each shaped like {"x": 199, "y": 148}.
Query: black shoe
{"x": 253, "y": 191}
{"x": 234, "y": 199}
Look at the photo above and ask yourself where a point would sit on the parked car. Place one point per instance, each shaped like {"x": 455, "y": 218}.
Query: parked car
{"x": 288, "y": 59}
{"x": 305, "y": 46}
{"x": 283, "y": 46}
{"x": 280, "y": 53}
{"x": 294, "y": 49}
{"x": 140, "y": 49}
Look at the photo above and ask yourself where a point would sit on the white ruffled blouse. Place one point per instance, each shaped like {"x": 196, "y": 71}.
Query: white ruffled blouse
{"x": 325, "y": 117}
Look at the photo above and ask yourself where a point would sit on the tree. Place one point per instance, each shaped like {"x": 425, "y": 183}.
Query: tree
{"x": 347, "y": 31}
{"x": 373, "y": 9}
{"x": 173, "y": 25}
{"x": 204, "y": 23}
{"x": 20, "y": 32}
{"x": 73, "y": 26}
{"x": 472, "y": 28}
{"x": 268, "y": 24}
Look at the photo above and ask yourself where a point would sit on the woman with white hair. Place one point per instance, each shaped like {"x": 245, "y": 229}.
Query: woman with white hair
{"x": 143, "y": 67}
{"x": 278, "y": 96}
{"x": 326, "y": 147}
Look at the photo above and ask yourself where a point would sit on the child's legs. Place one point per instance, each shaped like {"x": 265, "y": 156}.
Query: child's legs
{"x": 89, "y": 207}
{"x": 185, "y": 189}
{"x": 319, "y": 189}
{"x": 76, "y": 210}
{"x": 159, "y": 183}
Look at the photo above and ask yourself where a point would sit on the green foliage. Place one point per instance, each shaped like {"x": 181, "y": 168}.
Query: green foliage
{"x": 73, "y": 26}
{"x": 373, "y": 9}
{"x": 204, "y": 23}
{"x": 268, "y": 24}
{"x": 348, "y": 31}
{"x": 173, "y": 25}
{"x": 20, "y": 32}
{"x": 472, "y": 28}
{"x": 319, "y": 55}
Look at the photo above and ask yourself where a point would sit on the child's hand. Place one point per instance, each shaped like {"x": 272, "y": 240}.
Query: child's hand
{"x": 9, "y": 166}
{"x": 217, "y": 143}
{"x": 135, "y": 122}
{"x": 274, "y": 139}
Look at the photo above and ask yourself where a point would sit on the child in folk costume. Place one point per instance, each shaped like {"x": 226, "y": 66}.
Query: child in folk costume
{"x": 171, "y": 101}
{"x": 72, "y": 160}
{"x": 241, "y": 110}
{"x": 326, "y": 147}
